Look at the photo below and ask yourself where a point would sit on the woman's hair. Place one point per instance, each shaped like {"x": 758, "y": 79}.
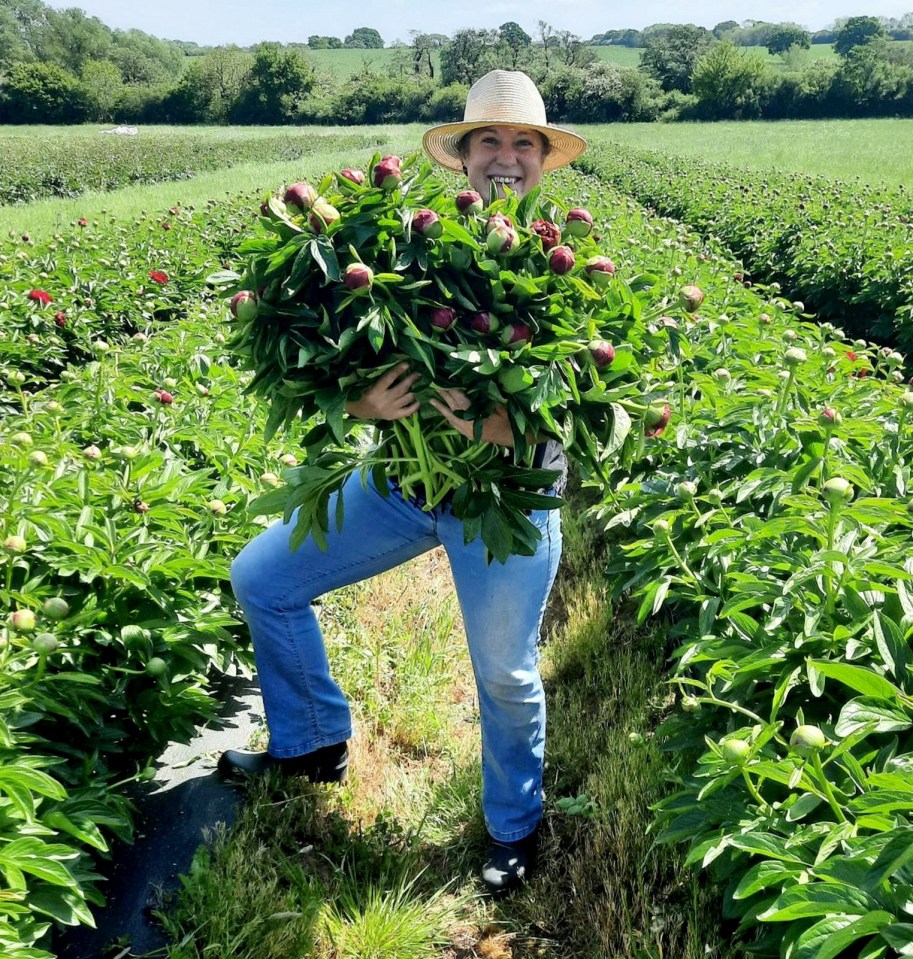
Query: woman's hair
{"x": 463, "y": 144}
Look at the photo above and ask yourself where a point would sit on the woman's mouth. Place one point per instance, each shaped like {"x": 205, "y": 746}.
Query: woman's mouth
{"x": 505, "y": 181}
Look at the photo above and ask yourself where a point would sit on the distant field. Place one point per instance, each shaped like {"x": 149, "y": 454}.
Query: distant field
{"x": 878, "y": 151}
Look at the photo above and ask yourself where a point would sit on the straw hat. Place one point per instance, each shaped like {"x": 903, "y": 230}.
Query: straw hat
{"x": 505, "y": 98}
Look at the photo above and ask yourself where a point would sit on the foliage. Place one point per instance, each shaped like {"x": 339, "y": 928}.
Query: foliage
{"x": 364, "y": 37}
{"x": 671, "y": 56}
{"x": 469, "y": 55}
{"x": 278, "y": 83}
{"x": 40, "y": 93}
{"x": 843, "y": 248}
{"x": 728, "y": 83}
{"x": 788, "y": 35}
{"x": 317, "y": 42}
{"x": 102, "y": 87}
{"x": 857, "y": 31}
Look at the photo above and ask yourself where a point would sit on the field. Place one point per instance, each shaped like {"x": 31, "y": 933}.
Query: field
{"x": 876, "y": 151}
{"x": 740, "y": 576}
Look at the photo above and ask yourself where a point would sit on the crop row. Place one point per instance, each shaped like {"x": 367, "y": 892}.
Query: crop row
{"x": 32, "y": 168}
{"x": 147, "y": 458}
{"x": 844, "y": 248}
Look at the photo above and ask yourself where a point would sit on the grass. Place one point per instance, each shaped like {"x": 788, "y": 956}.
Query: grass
{"x": 877, "y": 151}
{"x": 387, "y": 864}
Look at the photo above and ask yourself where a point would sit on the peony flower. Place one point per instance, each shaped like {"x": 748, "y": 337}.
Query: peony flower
{"x": 41, "y": 297}
{"x": 547, "y": 232}
{"x": 158, "y": 276}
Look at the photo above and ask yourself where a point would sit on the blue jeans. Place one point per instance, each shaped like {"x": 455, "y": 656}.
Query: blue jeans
{"x": 502, "y": 606}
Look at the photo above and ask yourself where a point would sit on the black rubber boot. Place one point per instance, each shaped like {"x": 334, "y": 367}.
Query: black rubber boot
{"x": 328, "y": 764}
{"x": 510, "y": 864}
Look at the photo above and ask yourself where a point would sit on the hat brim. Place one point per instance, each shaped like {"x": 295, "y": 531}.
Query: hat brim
{"x": 440, "y": 142}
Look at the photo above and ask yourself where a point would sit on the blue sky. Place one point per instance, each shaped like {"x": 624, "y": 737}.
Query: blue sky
{"x": 244, "y": 22}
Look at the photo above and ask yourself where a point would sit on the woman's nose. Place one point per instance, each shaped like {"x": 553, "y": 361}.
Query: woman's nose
{"x": 507, "y": 154}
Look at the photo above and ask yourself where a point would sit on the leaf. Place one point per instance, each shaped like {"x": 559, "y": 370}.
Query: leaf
{"x": 890, "y": 642}
{"x": 866, "y": 925}
{"x": 818, "y": 899}
{"x": 496, "y": 534}
{"x": 325, "y": 256}
{"x": 860, "y": 678}
{"x": 897, "y": 852}
{"x": 899, "y": 936}
{"x": 865, "y": 710}
{"x": 762, "y": 876}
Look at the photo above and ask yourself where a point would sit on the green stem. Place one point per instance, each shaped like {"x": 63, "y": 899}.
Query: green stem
{"x": 753, "y": 789}
{"x": 784, "y": 391}
{"x": 826, "y": 786}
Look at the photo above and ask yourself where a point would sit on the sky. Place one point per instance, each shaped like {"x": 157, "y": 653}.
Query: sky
{"x": 214, "y": 22}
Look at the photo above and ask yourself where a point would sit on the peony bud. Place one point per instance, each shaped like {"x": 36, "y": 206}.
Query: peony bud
{"x": 686, "y": 490}
{"x": 547, "y": 232}
{"x": 427, "y": 224}
{"x": 217, "y": 507}
{"x": 358, "y": 278}
{"x": 656, "y": 419}
{"x": 828, "y": 418}
{"x": 502, "y": 239}
{"x": 722, "y": 375}
{"x": 469, "y": 203}
{"x": 269, "y": 478}
{"x": 690, "y": 298}
{"x": 497, "y": 220}
{"x": 602, "y": 353}
{"x": 164, "y": 397}
{"x": 561, "y": 260}
{"x": 300, "y": 197}
{"x": 387, "y": 173}
{"x": 794, "y": 356}
{"x": 156, "y": 666}
{"x": 15, "y": 544}
{"x": 516, "y": 335}
{"x": 22, "y": 621}
{"x": 442, "y": 318}
{"x": 55, "y": 609}
{"x": 906, "y": 398}
{"x": 245, "y": 306}
{"x": 92, "y": 452}
{"x": 322, "y": 215}
{"x": 484, "y": 322}
{"x": 288, "y": 459}
{"x": 579, "y": 222}
{"x": 806, "y": 740}
{"x": 735, "y": 751}
{"x": 355, "y": 176}
{"x": 38, "y": 458}
{"x": 21, "y": 439}
{"x": 837, "y": 491}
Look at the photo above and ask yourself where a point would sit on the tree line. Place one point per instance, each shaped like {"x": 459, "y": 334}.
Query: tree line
{"x": 61, "y": 66}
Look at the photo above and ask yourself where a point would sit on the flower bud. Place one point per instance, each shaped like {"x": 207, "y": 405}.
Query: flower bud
{"x": 484, "y": 322}
{"x": 828, "y": 418}
{"x": 358, "y": 278}
{"x": 602, "y": 353}
{"x": 355, "y": 176}
{"x": 100, "y": 347}
{"x": 735, "y": 751}
{"x": 579, "y": 222}
{"x": 269, "y": 478}
{"x": 92, "y": 452}
{"x": 690, "y": 298}
{"x": 322, "y": 215}
{"x": 156, "y": 666}
{"x": 288, "y": 459}
{"x": 442, "y": 318}
{"x": 722, "y": 374}
{"x": 599, "y": 271}
{"x": 217, "y": 507}
{"x": 765, "y": 319}
{"x": 906, "y": 398}
{"x": 837, "y": 491}
{"x": 387, "y": 173}
{"x": 45, "y": 643}
{"x": 164, "y": 397}
{"x": 245, "y": 306}
{"x": 794, "y": 356}
{"x": 469, "y": 202}
{"x": 15, "y": 377}
{"x": 55, "y": 609}
{"x": 636, "y": 739}
{"x": 300, "y": 197}
{"x": 14, "y": 544}
{"x": 656, "y": 419}
{"x": 662, "y": 528}
{"x": 547, "y": 232}
{"x": 561, "y": 260}
{"x": 502, "y": 239}
{"x": 21, "y": 439}
{"x": 38, "y": 458}
{"x": 686, "y": 490}
{"x": 790, "y": 336}
{"x": 22, "y": 621}
{"x": 690, "y": 704}
{"x": 516, "y": 335}
{"x": 427, "y": 224}
{"x": 497, "y": 220}
{"x": 806, "y": 740}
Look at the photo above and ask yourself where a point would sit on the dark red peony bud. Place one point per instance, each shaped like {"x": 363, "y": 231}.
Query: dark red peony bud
{"x": 601, "y": 353}
{"x": 502, "y": 239}
{"x": 484, "y": 322}
{"x": 497, "y": 220}
{"x": 300, "y": 197}
{"x": 656, "y": 419}
{"x": 245, "y": 306}
{"x": 442, "y": 318}
{"x": 60, "y": 319}
{"x": 516, "y": 335}
{"x": 561, "y": 260}
{"x": 599, "y": 270}
{"x": 547, "y": 232}
{"x": 358, "y": 278}
{"x": 387, "y": 173}
{"x": 355, "y": 176}
{"x": 164, "y": 397}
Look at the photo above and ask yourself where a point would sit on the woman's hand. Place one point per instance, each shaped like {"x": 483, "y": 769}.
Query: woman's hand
{"x": 495, "y": 428}
{"x": 390, "y": 398}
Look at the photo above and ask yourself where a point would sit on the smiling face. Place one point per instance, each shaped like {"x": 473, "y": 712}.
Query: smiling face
{"x": 509, "y": 157}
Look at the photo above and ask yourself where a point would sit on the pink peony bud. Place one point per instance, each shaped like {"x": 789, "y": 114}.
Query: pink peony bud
{"x": 516, "y": 335}
{"x": 579, "y": 222}
{"x": 22, "y": 621}
{"x": 547, "y": 232}
{"x": 427, "y": 223}
{"x": 601, "y": 353}
{"x": 502, "y": 239}
{"x": 387, "y": 173}
{"x": 599, "y": 270}
{"x": 358, "y": 278}
{"x": 164, "y": 397}
{"x": 355, "y": 176}
{"x": 300, "y": 197}
{"x": 60, "y": 319}
{"x": 828, "y": 418}
{"x": 484, "y": 322}
{"x": 442, "y": 318}
{"x": 469, "y": 202}
{"x": 245, "y": 306}
{"x": 498, "y": 220}
{"x": 561, "y": 260}
{"x": 690, "y": 298}
{"x": 656, "y": 419}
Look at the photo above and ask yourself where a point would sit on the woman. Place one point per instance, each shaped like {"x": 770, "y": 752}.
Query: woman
{"x": 505, "y": 141}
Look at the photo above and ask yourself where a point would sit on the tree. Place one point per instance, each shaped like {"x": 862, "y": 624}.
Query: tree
{"x": 728, "y": 82}
{"x": 102, "y": 88}
{"x": 423, "y": 46}
{"x": 278, "y": 82}
{"x": 671, "y": 56}
{"x": 547, "y": 39}
{"x": 856, "y": 32}
{"x": 788, "y": 35}
{"x": 40, "y": 93}
{"x": 364, "y": 38}
{"x": 72, "y": 39}
{"x": 727, "y": 26}
{"x": 571, "y": 50}
{"x": 468, "y": 56}
{"x": 212, "y": 85}
{"x": 516, "y": 39}
{"x": 316, "y": 42}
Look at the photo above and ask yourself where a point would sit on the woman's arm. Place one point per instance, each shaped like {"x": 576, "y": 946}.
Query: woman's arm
{"x": 495, "y": 427}
{"x": 390, "y": 398}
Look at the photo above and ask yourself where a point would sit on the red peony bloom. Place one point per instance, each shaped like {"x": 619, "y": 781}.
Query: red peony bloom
{"x": 40, "y": 296}
{"x": 851, "y": 356}
{"x": 549, "y": 233}
{"x": 158, "y": 276}
{"x": 60, "y": 319}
